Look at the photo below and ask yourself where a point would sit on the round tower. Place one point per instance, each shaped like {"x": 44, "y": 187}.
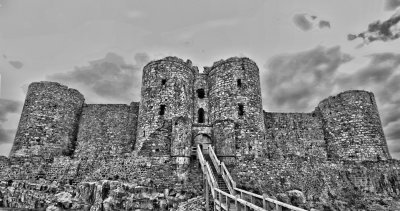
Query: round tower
{"x": 167, "y": 93}
{"x": 352, "y": 127}
{"x": 49, "y": 122}
{"x": 235, "y": 94}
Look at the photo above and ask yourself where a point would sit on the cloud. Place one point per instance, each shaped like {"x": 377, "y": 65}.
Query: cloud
{"x": 380, "y": 31}
{"x": 7, "y": 107}
{"x": 307, "y": 22}
{"x": 392, "y": 4}
{"x": 324, "y": 24}
{"x": 109, "y": 77}
{"x": 16, "y": 64}
{"x": 294, "y": 81}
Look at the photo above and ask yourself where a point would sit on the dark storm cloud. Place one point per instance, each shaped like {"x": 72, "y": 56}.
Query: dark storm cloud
{"x": 383, "y": 31}
{"x": 293, "y": 80}
{"x": 307, "y": 22}
{"x": 392, "y": 4}
{"x": 16, "y": 64}
{"x": 7, "y": 107}
{"x": 302, "y": 22}
{"x": 324, "y": 24}
{"x": 109, "y": 77}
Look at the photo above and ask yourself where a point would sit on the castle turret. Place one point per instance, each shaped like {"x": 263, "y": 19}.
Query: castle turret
{"x": 49, "y": 122}
{"x": 167, "y": 92}
{"x": 235, "y": 94}
{"x": 352, "y": 127}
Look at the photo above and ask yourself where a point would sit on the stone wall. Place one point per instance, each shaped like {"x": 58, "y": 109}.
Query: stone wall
{"x": 49, "y": 122}
{"x": 352, "y": 127}
{"x": 346, "y": 185}
{"x": 225, "y": 141}
{"x": 298, "y": 134}
{"x": 158, "y": 143}
{"x": 63, "y": 169}
{"x": 4, "y": 162}
{"x": 106, "y": 130}
{"x": 235, "y": 93}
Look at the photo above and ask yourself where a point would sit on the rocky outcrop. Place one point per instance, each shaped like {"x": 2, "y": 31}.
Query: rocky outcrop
{"x": 103, "y": 195}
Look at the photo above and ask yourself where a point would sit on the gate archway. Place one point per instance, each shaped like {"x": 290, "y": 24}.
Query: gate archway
{"x": 204, "y": 141}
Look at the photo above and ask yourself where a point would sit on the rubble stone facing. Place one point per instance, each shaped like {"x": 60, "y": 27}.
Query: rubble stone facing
{"x": 106, "y": 130}
{"x": 224, "y": 137}
{"x": 298, "y": 134}
{"x": 49, "y": 122}
{"x": 352, "y": 127}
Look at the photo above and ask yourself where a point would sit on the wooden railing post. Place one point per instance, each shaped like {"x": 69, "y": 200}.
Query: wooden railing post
{"x": 264, "y": 203}
{"x": 227, "y": 202}
{"x": 207, "y": 197}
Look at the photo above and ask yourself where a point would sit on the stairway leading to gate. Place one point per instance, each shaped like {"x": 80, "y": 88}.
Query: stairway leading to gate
{"x": 221, "y": 193}
{"x": 220, "y": 180}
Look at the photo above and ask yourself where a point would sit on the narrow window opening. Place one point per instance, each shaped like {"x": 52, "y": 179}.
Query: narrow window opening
{"x": 201, "y": 115}
{"x": 162, "y": 110}
{"x": 163, "y": 81}
{"x": 200, "y": 93}
{"x": 241, "y": 110}
{"x": 239, "y": 83}
{"x": 144, "y": 133}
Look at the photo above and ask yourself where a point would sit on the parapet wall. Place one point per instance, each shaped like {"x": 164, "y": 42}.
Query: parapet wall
{"x": 352, "y": 127}
{"x": 49, "y": 122}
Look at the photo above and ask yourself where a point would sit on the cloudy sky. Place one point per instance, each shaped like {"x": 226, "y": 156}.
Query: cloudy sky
{"x": 306, "y": 50}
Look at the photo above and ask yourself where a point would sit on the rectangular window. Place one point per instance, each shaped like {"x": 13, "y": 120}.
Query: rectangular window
{"x": 239, "y": 83}
{"x": 200, "y": 93}
{"x": 162, "y": 110}
{"x": 241, "y": 110}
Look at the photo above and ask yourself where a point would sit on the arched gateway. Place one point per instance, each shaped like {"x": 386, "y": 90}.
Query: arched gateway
{"x": 204, "y": 141}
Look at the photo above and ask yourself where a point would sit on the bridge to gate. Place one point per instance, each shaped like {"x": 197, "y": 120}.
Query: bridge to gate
{"x": 222, "y": 194}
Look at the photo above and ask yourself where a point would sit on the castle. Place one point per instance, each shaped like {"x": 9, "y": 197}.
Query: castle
{"x": 220, "y": 107}
{"x": 60, "y": 136}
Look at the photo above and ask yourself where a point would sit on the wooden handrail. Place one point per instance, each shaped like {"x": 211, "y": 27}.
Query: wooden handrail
{"x": 223, "y": 171}
{"x": 205, "y": 167}
{"x": 214, "y": 159}
{"x": 276, "y": 202}
{"x": 228, "y": 178}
